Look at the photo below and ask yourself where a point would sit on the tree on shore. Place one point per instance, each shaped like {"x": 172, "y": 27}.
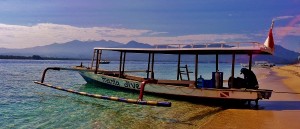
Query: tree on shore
{"x": 37, "y": 57}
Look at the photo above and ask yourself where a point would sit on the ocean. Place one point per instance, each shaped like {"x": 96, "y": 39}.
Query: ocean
{"x": 24, "y": 104}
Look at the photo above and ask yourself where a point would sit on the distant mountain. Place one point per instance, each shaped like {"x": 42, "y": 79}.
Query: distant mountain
{"x": 73, "y": 49}
{"x": 134, "y": 44}
{"x": 84, "y": 50}
{"x": 5, "y": 50}
{"x": 281, "y": 56}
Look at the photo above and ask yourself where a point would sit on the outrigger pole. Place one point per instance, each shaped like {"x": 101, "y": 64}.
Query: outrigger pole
{"x": 138, "y": 101}
{"x": 134, "y": 101}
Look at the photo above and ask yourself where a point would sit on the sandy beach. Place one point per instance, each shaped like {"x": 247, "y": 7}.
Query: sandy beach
{"x": 282, "y": 111}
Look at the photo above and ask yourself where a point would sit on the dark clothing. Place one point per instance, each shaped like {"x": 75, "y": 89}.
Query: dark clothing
{"x": 237, "y": 82}
{"x": 250, "y": 79}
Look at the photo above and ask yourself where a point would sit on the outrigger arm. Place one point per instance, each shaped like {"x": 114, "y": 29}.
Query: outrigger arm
{"x": 139, "y": 101}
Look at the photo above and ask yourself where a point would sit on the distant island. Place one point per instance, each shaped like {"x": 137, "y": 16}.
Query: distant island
{"x": 34, "y": 57}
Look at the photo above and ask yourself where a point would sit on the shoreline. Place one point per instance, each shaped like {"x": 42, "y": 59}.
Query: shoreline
{"x": 290, "y": 74}
{"x": 281, "y": 111}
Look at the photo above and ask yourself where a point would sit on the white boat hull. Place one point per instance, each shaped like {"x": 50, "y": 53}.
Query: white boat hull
{"x": 242, "y": 94}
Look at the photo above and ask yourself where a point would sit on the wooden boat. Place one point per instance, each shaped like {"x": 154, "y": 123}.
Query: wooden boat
{"x": 104, "y": 62}
{"x": 244, "y": 65}
{"x": 178, "y": 87}
{"x": 263, "y": 64}
{"x": 260, "y": 64}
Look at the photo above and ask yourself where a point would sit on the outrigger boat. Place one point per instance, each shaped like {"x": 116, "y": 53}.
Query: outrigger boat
{"x": 104, "y": 62}
{"x": 260, "y": 64}
{"x": 189, "y": 88}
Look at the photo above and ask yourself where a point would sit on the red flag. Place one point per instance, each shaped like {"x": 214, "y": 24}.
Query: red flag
{"x": 270, "y": 41}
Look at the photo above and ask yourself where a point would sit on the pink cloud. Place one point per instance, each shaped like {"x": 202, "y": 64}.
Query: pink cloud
{"x": 292, "y": 29}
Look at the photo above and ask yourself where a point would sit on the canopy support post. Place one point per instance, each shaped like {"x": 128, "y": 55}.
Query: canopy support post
{"x": 100, "y": 56}
{"x": 93, "y": 58}
{"x": 148, "y": 70}
{"x": 232, "y": 69}
{"x": 152, "y": 67}
{"x": 178, "y": 66}
{"x": 250, "y": 61}
{"x": 196, "y": 68}
{"x": 120, "y": 66}
{"x": 217, "y": 62}
{"x": 123, "y": 66}
{"x": 97, "y": 62}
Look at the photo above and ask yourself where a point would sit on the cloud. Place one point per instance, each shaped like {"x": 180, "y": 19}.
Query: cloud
{"x": 282, "y": 17}
{"x": 17, "y": 36}
{"x": 158, "y": 33}
{"x": 292, "y": 29}
{"x": 288, "y": 31}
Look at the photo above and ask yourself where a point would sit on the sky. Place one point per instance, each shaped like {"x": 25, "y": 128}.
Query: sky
{"x": 29, "y": 23}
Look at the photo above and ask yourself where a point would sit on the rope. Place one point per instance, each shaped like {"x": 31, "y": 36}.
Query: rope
{"x": 283, "y": 92}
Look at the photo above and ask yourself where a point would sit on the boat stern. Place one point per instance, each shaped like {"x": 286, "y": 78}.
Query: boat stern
{"x": 265, "y": 94}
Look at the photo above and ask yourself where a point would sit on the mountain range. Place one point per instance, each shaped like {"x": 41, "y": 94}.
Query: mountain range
{"x": 84, "y": 50}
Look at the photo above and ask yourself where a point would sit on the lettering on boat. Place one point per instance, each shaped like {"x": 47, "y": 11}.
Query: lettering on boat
{"x": 134, "y": 85}
{"x": 110, "y": 81}
{"x": 115, "y": 82}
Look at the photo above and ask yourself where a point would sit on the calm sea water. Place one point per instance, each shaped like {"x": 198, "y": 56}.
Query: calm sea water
{"x": 24, "y": 104}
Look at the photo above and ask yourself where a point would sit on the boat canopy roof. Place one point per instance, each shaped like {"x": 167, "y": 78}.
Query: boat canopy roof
{"x": 203, "y": 49}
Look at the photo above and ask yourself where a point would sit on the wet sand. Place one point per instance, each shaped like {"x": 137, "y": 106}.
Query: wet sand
{"x": 291, "y": 74}
{"x": 282, "y": 111}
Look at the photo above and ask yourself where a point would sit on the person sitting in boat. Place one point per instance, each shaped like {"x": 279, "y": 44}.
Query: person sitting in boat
{"x": 237, "y": 82}
{"x": 250, "y": 79}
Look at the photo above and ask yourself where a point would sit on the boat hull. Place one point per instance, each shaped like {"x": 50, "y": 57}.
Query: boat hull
{"x": 241, "y": 94}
